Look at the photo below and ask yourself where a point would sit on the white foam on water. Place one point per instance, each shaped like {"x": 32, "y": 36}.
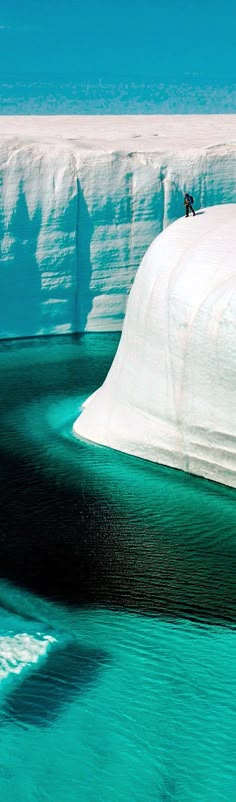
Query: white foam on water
{"x": 20, "y": 652}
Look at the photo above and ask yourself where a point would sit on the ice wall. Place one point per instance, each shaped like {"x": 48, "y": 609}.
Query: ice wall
{"x": 75, "y": 222}
{"x": 170, "y": 395}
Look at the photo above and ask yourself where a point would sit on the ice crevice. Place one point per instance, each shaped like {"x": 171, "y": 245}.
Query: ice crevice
{"x": 79, "y": 209}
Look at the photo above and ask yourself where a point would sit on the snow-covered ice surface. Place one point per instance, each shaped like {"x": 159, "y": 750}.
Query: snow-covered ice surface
{"x": 170, "y": 395}
{"x": 81, "y": 199}
{"x": 111, "y": 132}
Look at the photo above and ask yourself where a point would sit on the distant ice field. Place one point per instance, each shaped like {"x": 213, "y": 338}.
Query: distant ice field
{"x": 137, "y": 132}
{"x": 93, "y": 95}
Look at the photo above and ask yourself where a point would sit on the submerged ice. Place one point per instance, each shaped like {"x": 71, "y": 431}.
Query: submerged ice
{"x": 170, "y": 393}
{"x": 80, "y": 202}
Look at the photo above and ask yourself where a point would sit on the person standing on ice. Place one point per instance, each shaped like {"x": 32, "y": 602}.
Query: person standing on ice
{"x": 188, "y": 202}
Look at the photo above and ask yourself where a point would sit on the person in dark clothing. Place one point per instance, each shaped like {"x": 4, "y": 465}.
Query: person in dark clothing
{"x": 188, "y": 202}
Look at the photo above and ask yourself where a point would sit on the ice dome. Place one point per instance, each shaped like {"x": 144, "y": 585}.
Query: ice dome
{"x": 170, "y": 395}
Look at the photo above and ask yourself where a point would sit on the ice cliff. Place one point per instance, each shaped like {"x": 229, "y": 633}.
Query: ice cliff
{"x": 81, "y": 199}
{"x": 170, "y": 395}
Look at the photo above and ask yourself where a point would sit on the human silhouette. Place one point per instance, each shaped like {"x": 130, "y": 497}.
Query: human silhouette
{"x": 188, "y": 202}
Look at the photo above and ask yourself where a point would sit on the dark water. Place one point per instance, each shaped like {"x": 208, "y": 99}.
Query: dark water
{"x": 129, "y": 568}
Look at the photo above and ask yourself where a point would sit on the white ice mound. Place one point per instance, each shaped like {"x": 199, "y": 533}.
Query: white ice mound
{"x": 170, "y": 395}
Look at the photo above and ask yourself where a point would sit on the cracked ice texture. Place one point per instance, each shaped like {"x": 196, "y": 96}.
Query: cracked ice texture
{"x": 170, "y": 395}
{"x": 81, "y": 199}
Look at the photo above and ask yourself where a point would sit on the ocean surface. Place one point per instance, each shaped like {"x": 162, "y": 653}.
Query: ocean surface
{"x": 117, "y": 602}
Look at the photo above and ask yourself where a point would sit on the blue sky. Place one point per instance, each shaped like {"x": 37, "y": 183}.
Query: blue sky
{"x": 149, "y": 40}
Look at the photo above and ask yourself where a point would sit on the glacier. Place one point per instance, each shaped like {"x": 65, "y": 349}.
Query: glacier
{"x": 82, "y": 198}
{"x": 170, "y": 394}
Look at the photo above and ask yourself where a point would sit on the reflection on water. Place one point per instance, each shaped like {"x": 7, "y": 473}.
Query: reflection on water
{"x": 139, "y": 695}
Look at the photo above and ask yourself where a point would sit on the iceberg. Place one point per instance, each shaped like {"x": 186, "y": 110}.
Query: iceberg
{"x": 82, "y": 198}
{"x": 170, "y": 395}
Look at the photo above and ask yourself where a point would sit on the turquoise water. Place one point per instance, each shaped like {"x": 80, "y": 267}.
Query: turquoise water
{"x": 117, "y": 603}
